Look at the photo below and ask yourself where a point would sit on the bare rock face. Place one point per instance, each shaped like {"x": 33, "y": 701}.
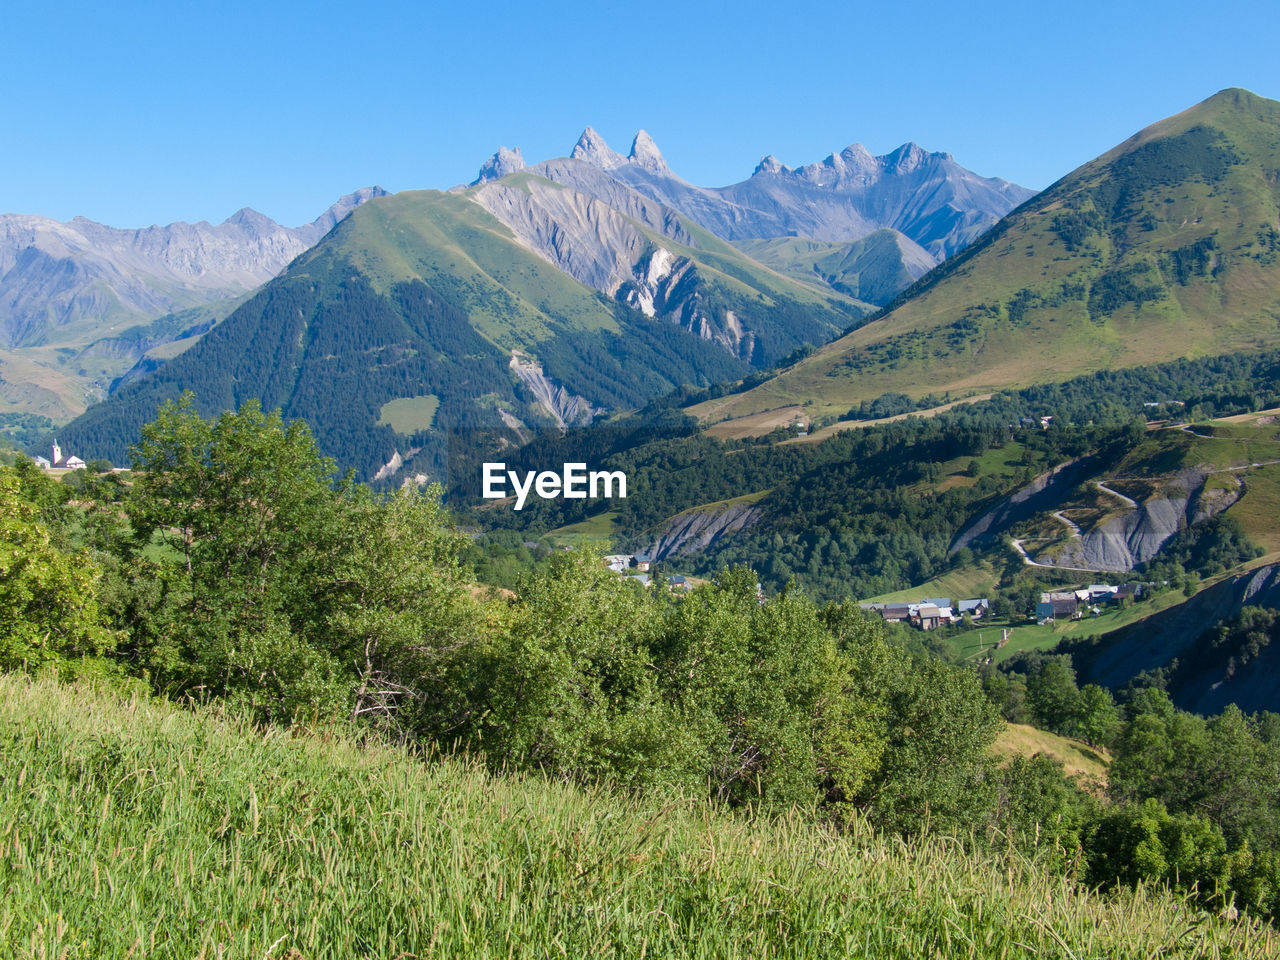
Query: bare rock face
{"x": 562, "y": 406}
{"x": 594, "y": 242}
{"x": 1122, "y": 543}
{"x": 646, "y": 155}
{"x": 501, "y": 164}
{"x": 591, "y": 148}
{"x": 696, "y": 530}
{"x": 771, "y": 164}
{"x": 599, "y": 243}
{"x": 1136, "y": 537}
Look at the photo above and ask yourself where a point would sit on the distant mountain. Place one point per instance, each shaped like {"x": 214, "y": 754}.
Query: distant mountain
{"x": 1164, "y": 247}
{"x": 66, "y": 286}
{"x": 874, "y": 269}
{"x": 425, "y": 317}
{"x": 927, "y": 197}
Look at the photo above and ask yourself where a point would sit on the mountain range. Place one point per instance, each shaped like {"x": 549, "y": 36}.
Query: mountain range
{"x": 71, "y": 292}
{"x": 579, "y": 285}
{"x": 926, "y": 197}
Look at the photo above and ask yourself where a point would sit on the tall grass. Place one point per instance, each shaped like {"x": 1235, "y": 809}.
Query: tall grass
{"x": 133, "y": 828}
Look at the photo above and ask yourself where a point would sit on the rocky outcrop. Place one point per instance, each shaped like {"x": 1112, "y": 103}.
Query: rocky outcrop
{"x": 560, "y": 405}
{"x": 770, "y": 164}
{"x": 696, "y": 530}
{"x": 646, "y": 155}
{"x": 1134, "y": 538}
{"x": 591, "y": 148}
{"x": 501, "y": 164}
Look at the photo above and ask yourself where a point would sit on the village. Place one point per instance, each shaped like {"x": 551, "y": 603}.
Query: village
{"x": 1075, "y": 604}
{"x": 640, "y": 567}
{"x": 927, "y": 613}
{"x": 931, "y": 612}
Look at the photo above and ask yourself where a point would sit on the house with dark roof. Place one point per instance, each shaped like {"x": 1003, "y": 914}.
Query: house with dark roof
{"x": 896, "y": 612}
{"x": 1057, "y": 606}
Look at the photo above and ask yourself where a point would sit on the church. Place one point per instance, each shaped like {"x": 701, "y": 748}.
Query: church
{"x": 59, "y": 462}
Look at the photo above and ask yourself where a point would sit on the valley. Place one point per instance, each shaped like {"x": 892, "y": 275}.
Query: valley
{"x": 827, "y": 508}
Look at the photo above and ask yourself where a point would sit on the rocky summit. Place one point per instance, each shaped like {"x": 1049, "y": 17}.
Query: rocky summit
{"x": 926, "y": 196}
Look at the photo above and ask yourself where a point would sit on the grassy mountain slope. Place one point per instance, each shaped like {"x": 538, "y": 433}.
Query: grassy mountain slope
{"x": 1166, "y": 246}
{"x": 136, "y": 828}
{"x": 508, "y": 294}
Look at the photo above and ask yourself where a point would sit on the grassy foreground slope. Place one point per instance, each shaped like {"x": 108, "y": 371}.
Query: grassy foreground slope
{"x": 1164, "y": 247}
{"x": 135, "y": 828}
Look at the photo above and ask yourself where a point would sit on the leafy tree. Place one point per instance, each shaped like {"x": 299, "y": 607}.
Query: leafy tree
{"x": 1053, "y": 697}
{"x": 565, "y": 684}
{"x": 935, "y": 769}
{"x": 1145, "y": 842}
{"x": 48, "y": 607}
{"x": 1096, "y": 714}
{"x": 1040, "y": 810}
{"x": 281, "y": 585}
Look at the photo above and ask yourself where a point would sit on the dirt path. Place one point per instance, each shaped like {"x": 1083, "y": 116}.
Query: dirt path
{"x": 1070, "y": 525}
{"x": 1017, "y": 545}
{"x": 1128, "y": 501}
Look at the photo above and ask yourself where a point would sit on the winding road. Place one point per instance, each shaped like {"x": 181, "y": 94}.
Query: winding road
{"x": 1017, "y": 545}
{"x": 1117, "y": 494}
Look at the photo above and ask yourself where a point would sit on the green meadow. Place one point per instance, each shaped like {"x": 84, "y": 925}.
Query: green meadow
{"x": 137, "y": 828}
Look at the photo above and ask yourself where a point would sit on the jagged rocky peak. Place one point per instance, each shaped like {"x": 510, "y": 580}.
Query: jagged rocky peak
{"x": 503, "y": 162}
{"x": 345, "y": 204}
{"x": 906, "y": 158}
{"x": 856, "y": 155}
{"x": 252, "y": 219}
{"x": 592, "y": 148}
{"x": 646, "y": 155}
{"x": 771, "y": 165}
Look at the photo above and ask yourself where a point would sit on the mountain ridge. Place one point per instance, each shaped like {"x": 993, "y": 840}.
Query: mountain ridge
{"x": 924, "y": 195}
{"x": 429, "y": 301}
{"x": 66, "y": 288}
{"x": 1164, "y": 246}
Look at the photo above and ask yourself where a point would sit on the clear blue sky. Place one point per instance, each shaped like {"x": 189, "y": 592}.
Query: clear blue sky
{"x": 140, "y": 113}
